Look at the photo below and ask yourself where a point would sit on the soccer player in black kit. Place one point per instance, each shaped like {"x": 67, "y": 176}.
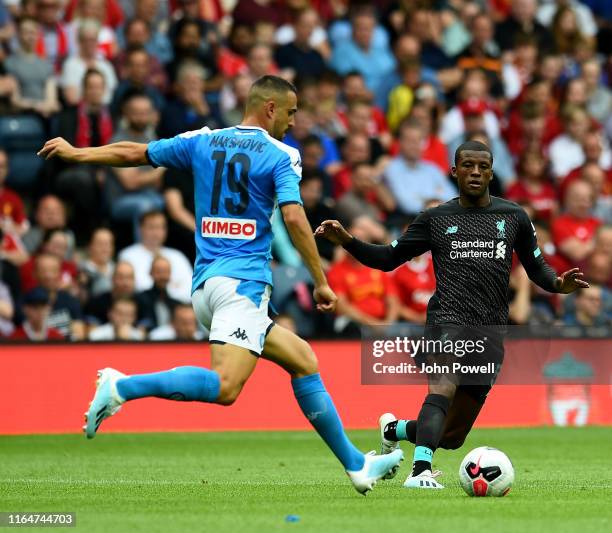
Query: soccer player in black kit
{"x": 471, "y": 239}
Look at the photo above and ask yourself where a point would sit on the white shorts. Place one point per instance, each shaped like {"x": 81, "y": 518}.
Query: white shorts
{"x": 234, "y": 311}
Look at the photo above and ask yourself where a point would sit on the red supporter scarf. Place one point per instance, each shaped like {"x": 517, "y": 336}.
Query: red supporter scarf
{"x": 62, "y": 45}
{"x": 83, "y": 133}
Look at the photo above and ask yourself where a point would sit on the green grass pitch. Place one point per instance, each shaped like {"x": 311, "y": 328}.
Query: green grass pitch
{"x": 233, "y": 482}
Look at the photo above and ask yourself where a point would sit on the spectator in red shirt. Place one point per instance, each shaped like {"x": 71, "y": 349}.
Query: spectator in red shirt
{"x": 366, "y": 297}
{"x": 12, "y": 212}
{"x": 12, "y": 249}
{"x": 36, "y": 307}
{"x": 574, "y": 231}
{"x": 416, "y": 283}
{"x": 356, "y": 150}
{"x": 355, "y": 91}
{"x": 367, "y": 196}
{"x": 231, "y": 59}
{"x": 359, "y": 121}
{"x": 55, "y": 242}
{"x": 253, "y": 11}
{"x": 533, "y": 186}
{"x": 526, "y": 128}
{"x": 434, "y": 150}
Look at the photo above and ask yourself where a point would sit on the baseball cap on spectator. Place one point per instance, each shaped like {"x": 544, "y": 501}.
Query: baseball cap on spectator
{"x": 473, "y": 106}
{"x": 37, "y": 296}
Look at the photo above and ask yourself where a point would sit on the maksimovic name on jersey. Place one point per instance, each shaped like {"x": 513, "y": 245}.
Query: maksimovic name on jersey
{"x": 221, "y": 141}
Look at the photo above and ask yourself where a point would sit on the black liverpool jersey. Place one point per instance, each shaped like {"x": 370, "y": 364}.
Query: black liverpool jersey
{"x": 472, "y": 256}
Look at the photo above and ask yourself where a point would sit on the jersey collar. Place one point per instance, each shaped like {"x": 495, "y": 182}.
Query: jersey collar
{"x": 241, "y": 127}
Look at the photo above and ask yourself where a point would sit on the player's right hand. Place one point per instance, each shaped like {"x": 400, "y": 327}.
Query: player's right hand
{"x": 57, "y": 147}
{"x": 326, "y": 299}
{"x": 333, "y": 231}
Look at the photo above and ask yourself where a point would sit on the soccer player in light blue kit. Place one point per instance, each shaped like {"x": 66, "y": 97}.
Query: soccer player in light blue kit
{"x": 240, "y": 172}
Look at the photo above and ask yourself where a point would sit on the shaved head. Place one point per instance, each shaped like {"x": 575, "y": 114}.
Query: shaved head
{"x": 268, "y": 88}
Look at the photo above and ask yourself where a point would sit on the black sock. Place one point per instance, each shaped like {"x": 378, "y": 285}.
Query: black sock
{"x": 429, "y": 427}
{"x": 390, "y": 431}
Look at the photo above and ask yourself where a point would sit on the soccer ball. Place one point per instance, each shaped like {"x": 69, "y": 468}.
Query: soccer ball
{"x": 486, "y": 471}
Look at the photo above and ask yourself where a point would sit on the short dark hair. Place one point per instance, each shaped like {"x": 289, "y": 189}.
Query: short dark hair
{"x": 123, "y": 299}
{"x": 131, "y": 94}
{"x": 410, "y": 123}
{"x": 267, "y": 87}
{"x": 184, "y": 23}
{"x": 136, "y": 20}
{"x": 474, "y": 146}
{"x": 310, "y": 140}
{"x": 274, "y": 83}
{"x": 311, "y": 175}
{"x": 92, "y": 72}
{"x": 135, "y": 49}
{"x": 149, "y": 214}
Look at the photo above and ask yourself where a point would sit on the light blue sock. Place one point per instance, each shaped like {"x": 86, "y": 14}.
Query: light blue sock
{"x": 423, "y": 453}
{"x": 318, "y": 407}
{"x": 184, "y": 383}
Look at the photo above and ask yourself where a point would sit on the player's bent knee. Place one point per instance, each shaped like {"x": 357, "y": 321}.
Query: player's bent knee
{"x": 308, "y": 363}
{"x": 228, "y": 393}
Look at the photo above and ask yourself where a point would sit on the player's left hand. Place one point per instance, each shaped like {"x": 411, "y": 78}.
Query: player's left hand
{"x": 571, "y": 280}
{"x": 326, "y": 299}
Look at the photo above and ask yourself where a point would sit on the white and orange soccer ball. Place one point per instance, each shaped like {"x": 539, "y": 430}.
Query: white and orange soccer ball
{"x": 486, "y": 471}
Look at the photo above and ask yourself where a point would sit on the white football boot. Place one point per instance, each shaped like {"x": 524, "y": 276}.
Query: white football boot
{"x": 387, "y": 446}
{"x": 374, "y": 468}
{"x": 106, "y": 401}
{"x": 425, "y": 480}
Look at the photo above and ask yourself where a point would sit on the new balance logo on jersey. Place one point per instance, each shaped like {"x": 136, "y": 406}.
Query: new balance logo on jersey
{"x": 229, "y": 228}
{"x": 451, "y": 229}
{"x": 240, "y": 334}
{"x": 500, "y": 250}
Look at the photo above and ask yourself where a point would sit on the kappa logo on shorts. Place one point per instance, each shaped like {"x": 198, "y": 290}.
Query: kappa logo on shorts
{"x": 229, "y": 228}
{"x": 240, "y": 334}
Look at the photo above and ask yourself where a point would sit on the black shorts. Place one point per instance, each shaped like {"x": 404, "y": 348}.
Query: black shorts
{"x": 470, "y": 356}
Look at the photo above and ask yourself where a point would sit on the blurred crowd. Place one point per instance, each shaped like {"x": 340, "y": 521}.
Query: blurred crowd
{"x": 387, "y": 91}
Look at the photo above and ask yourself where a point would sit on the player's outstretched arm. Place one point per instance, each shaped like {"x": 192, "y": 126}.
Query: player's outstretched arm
{"x": 301, "y": 235}
{"x": 121, "y": 154}
{"x": 376, "y": 256}
{"x": 538, "y": 270}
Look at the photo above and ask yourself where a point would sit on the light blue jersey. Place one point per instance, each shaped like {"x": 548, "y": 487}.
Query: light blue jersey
{"x": 239, "y": 173}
